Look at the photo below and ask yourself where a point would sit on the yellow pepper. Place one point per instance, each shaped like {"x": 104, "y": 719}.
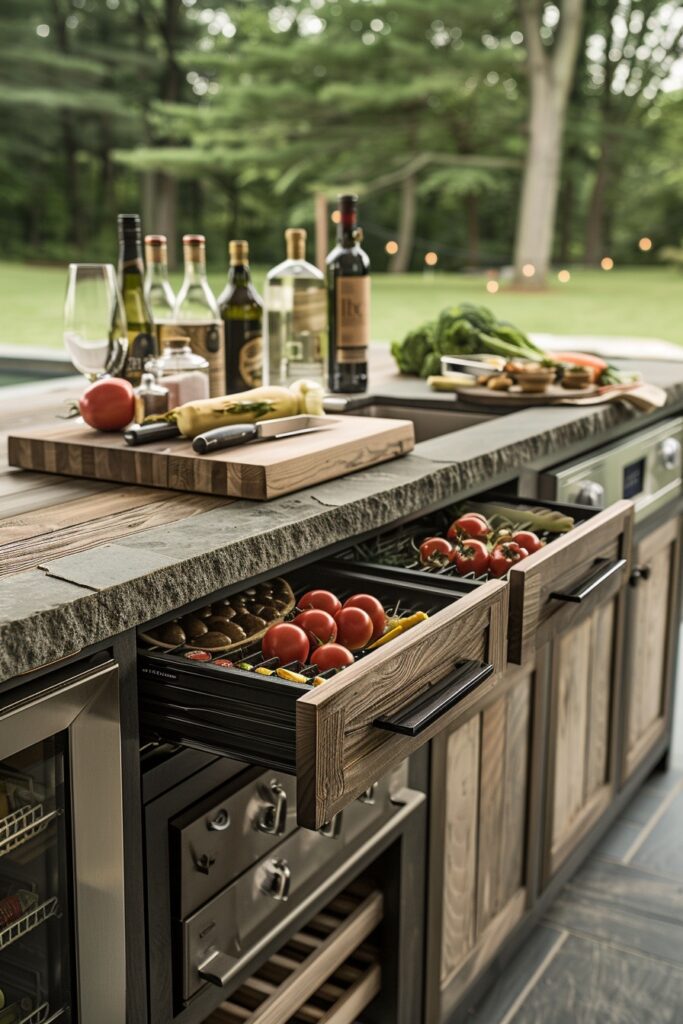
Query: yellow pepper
{"x": 401, "y": 627}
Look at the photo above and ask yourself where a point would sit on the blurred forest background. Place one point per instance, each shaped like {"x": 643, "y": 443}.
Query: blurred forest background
{"x": 227, "y": 118}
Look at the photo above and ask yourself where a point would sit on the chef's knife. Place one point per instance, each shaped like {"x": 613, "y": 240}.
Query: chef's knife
{"x": 145, "y": 433}
{"x": 265, "y": 430}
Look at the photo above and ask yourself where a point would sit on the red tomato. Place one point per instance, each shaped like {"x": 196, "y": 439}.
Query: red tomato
{"x": 528, "y": 540}
{"x": 320, "y": 599}
{"x": 224, "y": 662}
{"x": 331, "y": 656}
{"x": 374, "y": 609}
{"x": 505, "y": 555}
{"x": 319, "y": 626}
{"x": 435, "y": 549}
{"x": 286, "y": 642}
{"x": 108, "y": 404}
{"x": 471, "y": 556}
{"x": 471, "y": 524}
{"x": 354, "y": 628}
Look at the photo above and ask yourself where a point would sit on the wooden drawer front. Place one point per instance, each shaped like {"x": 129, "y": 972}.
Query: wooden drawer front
{"x": 651, "y": 632}
{"x": 326, "y": 973}
{"x": 580, "y": 730}
{"x": 589, "y": 553}
{"x": 480, "y": 778}
{"x": 341, "y": 751}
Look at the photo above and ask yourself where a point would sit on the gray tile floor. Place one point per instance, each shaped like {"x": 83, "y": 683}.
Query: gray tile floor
{"x": 610, "y": 950}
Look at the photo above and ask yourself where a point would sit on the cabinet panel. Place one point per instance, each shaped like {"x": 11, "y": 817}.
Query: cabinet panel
{"x": 480, "y": 774}
{"x": 652, "y": 618}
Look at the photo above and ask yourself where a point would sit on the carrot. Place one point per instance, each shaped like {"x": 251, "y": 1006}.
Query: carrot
{"x": 594, "y": 363}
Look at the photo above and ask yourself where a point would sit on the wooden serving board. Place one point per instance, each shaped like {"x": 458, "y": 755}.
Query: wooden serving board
{"x": 259, "y": 470}
{"x": 515, "y": 398}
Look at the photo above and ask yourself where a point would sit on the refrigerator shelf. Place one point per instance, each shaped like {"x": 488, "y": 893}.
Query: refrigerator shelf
{"x": 27, "y": 922}
{"x": 20, "y": 826}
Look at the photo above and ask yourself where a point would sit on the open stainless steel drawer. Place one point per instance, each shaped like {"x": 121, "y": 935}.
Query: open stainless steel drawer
{"x": 340, "y": 737}
{"x": 583, "y": 566}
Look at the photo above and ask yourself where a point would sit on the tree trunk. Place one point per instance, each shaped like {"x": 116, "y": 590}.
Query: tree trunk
{"x": 400, "y": 263}
{"x": 566, "y": 226}
{"x": 472, "y": 217}
{"x": 551, "y": 74}
{"x": 595, "y": 222}
{"x": 166, "y": 214}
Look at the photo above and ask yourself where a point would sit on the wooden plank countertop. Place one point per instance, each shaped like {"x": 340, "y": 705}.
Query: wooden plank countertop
{"x": 45, "y": 516}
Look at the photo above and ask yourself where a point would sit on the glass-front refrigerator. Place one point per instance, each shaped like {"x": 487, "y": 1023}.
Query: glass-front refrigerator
{"x": 62, "y": 953}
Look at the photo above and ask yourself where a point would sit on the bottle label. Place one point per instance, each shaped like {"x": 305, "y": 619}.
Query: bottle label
{"x": 206, "y": 339}
{"x": 141, "y": 349}
{"x": 243, "y": 356}
{"x": 250, "y": 364}
{"x": 352, "y": 318}
{"x": 309, "y": 313}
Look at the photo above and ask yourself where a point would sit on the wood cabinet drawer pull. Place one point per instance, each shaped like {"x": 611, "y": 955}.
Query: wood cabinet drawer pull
{"x": 603, "y": 569}
{"x": 440, "y": 698}
{"x": 641, "y": 572}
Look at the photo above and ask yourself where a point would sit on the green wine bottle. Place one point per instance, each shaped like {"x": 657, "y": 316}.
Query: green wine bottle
{"x": 241, "y": 310}
{"x": 142, "y": 343}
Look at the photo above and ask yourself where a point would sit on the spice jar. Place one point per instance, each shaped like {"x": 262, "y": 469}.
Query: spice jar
{"x": 183, "y": 372}
{"x": 151, "y": 399}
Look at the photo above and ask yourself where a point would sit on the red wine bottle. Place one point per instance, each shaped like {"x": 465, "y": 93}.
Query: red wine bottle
{"x": 348, "y": 304}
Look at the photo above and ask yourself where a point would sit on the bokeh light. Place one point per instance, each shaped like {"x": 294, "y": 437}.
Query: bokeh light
{"x": 607, "y": 263}
{"x": 528, "y": 270}
{"x": 335, "y": 216}
{"x": 564, "y": 276}
{"x": 645, "y": 244}
{"x": 492, "y": 287}
{"x": 391, "y": 248}
{"x": 431, "y": 259}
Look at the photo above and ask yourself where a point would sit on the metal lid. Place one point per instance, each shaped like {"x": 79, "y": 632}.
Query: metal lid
{"x": 239, "y": 251}
{"x": 295, "y": 241}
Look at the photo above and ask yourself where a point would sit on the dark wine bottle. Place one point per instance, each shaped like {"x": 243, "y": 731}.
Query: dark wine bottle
{"x": 142, "y": 343}
{"x": 241, "y": 310}
{"x": 348, "y": 304}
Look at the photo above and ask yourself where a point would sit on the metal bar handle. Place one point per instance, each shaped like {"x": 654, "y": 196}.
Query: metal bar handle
{"x": 603, "y": 570}
{"x": 430, "y": 706}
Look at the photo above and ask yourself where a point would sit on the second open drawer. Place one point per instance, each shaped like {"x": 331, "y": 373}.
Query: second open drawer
{"x": 338, "y": 738}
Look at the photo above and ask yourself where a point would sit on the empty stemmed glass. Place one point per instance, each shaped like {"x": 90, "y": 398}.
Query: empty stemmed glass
{"x": 94, "y": 320}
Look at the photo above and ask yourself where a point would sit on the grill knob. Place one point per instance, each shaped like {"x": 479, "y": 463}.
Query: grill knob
{"x": 670, "y": 453}
{"x": 278, "y": 880}
{"x": 590, "y": 493}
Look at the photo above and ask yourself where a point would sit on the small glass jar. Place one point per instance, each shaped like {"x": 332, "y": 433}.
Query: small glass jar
{"x": 151, "y": 399}
{"x": 183, "y": 372}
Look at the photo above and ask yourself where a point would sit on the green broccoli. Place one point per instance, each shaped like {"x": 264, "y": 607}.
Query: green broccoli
{"x": 411, "y": 352}
{"x": 431, "y": 365}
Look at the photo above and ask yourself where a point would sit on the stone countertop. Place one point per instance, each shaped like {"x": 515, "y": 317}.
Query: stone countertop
{"x": 138, "y": 571}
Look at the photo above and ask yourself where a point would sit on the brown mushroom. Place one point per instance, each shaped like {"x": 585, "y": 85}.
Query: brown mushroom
{"x": 193, "y": 626}
{"x": 171, "y": 633}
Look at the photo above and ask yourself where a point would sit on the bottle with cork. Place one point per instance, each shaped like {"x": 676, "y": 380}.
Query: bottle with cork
{"x": 296, "y": 316}
{"x": 196, "y": 313}
{"x": 241, "y": 310}
{"x": 158, "y": 290}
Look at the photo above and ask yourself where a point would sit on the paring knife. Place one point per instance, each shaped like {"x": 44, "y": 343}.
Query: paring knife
{"x": 265, "y": 430}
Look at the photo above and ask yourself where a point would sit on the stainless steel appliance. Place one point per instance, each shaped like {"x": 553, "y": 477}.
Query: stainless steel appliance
{"x": 232, "y": 879}
{"x": 62, "y": 949}
{"x": 646, "y": 467}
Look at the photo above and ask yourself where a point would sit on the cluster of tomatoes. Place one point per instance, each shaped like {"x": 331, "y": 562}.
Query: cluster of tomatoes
{"x": 473, "y": 546}
{"x": 325, "y": 631}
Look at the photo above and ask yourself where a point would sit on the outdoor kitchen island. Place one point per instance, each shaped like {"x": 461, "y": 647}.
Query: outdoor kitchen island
{"x": 552, "y": 703}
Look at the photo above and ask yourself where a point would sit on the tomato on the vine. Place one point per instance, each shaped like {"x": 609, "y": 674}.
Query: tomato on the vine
{"x": 505, "y": 555}
{"x": 435, "y": 549}
{"x": 318, "y": 625}
{"x": 373, "y": 607}
{"x": 471, "y": 556}
{"x": 471, "y": 524}
{"x": 354, "y": 628}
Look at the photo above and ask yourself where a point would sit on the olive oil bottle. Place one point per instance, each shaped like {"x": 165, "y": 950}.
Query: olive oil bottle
{"x": 142, "y": 344}
{"x": 241, "y": 310}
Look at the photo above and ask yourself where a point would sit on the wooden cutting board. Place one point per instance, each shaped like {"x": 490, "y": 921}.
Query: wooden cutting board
{"x": 260, "y": 470}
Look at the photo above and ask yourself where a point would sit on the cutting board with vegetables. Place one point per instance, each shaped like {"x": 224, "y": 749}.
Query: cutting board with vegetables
{"x": 260, "y": 470}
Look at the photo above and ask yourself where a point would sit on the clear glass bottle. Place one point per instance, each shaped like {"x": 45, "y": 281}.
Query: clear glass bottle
{"x": 182, "y": 371}
{"x": 196, "y": 312}
{"x": 158, "y": 291}
{"x": 296, "y": 316}
{"x": 241, "y": 309}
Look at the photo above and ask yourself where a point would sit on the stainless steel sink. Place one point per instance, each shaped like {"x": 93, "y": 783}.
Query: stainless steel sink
{"x": 429, "y": 421}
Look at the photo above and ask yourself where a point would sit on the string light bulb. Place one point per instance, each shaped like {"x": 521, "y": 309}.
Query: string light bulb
{"x": 564, "y": 277}
{"x": 335, "y": 216}
{"x": 431, "y": 259}
{"x": 528, "y": 270}
{"x": 391, "y": 248}
{"x": 492, "y": 287}
{"x": 645, "y": 244}
{"x": 607, "y": 263}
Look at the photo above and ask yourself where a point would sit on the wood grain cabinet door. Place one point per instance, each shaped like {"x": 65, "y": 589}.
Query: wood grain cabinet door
{"x": 478, "y": 861}
{"x": 585, "y": 672}
{"x": 651, "y": 634}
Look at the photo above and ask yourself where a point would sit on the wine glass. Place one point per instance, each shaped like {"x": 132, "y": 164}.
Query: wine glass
{"x": 95, "y": 333}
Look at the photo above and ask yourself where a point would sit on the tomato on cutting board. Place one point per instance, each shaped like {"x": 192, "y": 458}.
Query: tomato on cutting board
{"x": 108, "y": 404}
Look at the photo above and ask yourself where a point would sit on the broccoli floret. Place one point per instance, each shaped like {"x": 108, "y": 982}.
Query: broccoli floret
{"x": 411, "y": 352}
{"x": 431, "y": 365}
{"x": 459, "y": 337}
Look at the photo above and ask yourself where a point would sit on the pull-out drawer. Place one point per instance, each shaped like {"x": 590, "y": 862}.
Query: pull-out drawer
{"x": 338, "y": 737}
{"x": 328, "y": 972}
{"x": 584, "y": 565}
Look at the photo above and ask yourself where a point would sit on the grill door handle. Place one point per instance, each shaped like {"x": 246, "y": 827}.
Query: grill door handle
{"x": 603, "y": 570}
{"x": 440, "y": 698}
{"x": 217, "y": 968}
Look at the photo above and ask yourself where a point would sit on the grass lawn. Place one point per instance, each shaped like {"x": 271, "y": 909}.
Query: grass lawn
{"x": 638, "y": 302}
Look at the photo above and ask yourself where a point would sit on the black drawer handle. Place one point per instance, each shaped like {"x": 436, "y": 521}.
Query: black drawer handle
{"x": 602, "y": 571}
{"x": 440, "y": 698}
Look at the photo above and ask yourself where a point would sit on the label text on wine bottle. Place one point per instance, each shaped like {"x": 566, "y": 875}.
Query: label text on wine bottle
{"x": 352, "y": 318}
